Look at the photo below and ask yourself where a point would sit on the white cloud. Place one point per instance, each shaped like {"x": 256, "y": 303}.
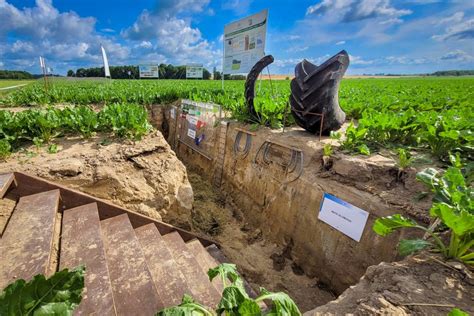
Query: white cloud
{"x": 357, "y": 60}
{"x": 145, "y": 44}
{"x": 455, "y": 18}
{"x": 297, "y": 49}
{"x": 240, "y": 7}
{"x": 107, "y": 30}
{"x": 459, "y": 28}
{"x": 405, "y": 60}
{"x": 173, "y": 36}
{"x": 358, "y": 10}
{"x": 457, "y": 56}
{"x": 341, "y": 43}
{"x": 58, "y": 36}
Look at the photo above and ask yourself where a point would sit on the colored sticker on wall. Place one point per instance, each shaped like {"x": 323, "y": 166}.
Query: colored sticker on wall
{"x": 200, "y": 124}
{"x": 199, "y": 139}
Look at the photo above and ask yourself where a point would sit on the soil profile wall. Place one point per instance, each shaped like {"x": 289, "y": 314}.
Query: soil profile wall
{"x": 283, "y": 201}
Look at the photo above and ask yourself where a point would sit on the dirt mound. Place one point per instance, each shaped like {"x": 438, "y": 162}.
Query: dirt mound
{"x": 143, "y": 176}
{"x": 421, "y": 285}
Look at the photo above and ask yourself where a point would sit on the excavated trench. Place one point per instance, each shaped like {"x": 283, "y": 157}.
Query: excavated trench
{"x": 262, "y": 263}
{"x": 269, "y": 228}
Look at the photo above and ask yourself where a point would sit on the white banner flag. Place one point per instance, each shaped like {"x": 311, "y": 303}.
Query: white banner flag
{"x": 106, "y": 62}
{"x": 41, "y": 63}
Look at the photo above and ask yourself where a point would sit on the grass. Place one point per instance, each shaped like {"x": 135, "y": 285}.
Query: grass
{"x": 9, "y": 83}
{"x": 6, "y": 83}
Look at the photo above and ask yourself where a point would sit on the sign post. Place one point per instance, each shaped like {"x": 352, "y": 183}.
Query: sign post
{"x": 244, "y": 43}
{"x": 194, "y": 71}
{"x": 148, "y": 71}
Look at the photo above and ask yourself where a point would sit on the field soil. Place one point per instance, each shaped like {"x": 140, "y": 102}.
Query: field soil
{"x": 144, "y": 176}
{"x": 261, "y": 262}
{"x": 420, "y": 285}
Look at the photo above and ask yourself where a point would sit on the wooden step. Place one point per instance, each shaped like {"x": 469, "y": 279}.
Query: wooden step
{"x": 206, "y": 261}
{"x": 81, "y": 244}
{"x": 5, "y": 181}
{"x": 201, "y": 288}
{"x": 26, "y": 245}
{"x": 7, "y": 205}
{"x": 169, "y": 281}
{"x": 132, "y": 285}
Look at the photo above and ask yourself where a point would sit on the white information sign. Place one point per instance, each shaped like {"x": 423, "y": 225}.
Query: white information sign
{"x": 194, "y": 71}
{"x": 244, "y": 43}
{"x": 191, "y": 133}
{"x": 343, "y": 216}
{"x": 173, "y": 113}
{"x": 148, "y": 71}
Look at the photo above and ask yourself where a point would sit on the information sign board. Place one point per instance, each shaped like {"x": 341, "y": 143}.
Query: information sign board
{"x": 194, "y": 71}
{"x": 244, "y": 43}
{"x": 148, "y": 71}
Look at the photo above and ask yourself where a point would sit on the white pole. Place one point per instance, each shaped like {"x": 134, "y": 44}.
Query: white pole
{"x": 223, "y": 58}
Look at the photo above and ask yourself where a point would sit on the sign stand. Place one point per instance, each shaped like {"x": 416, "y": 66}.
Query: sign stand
{"x": 243, "y": 43}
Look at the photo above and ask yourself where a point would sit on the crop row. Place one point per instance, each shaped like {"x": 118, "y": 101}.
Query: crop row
{"x": 424, "y": 113}
{"x": 43, "y": 125}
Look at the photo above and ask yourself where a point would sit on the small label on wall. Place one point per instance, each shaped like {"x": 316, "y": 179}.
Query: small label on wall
{"x": 192, "y": 119}
{"x": 173, "y": 113}
{"x": 191, "y": 133}
{"x": 343, "y": 216}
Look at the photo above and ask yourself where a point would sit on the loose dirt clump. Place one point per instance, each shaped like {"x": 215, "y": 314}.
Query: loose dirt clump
{"x": 144, "y": 176}
{"x": 421, "y": 285}
{"x": 255, "y": 257}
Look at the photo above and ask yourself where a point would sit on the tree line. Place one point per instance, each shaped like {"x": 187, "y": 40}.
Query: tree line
{"x": 14, "y": 74}
{"x": 132, "y": 72}
{"x": 453, "y": 73}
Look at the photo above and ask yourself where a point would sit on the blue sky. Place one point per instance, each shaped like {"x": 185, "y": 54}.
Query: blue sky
{"x": 381, "y": 36}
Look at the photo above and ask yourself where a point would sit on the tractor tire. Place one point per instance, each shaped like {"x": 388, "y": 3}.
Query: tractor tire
{"x": 315, "y": 89}
{"x": 252, "y": 79}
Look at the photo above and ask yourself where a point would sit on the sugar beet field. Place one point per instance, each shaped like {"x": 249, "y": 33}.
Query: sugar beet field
{"x": 422, "y": 115}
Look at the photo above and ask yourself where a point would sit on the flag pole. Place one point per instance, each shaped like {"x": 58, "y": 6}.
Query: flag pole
{"x": 223, "y": 58}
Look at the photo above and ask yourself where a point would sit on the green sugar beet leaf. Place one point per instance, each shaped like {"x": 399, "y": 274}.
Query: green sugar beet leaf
{"x": 409, "y": 246}
{"x": 249, "y": 308}
{"x": 232, "y": 298}
{"x": 188, "y": 307}
{"x": 457, "y": 312}
{"x": 386, "y": 225}
{"x": 58, "y": 295}
{"x": 226, "y": 271}
{"x": 282, "y": 303}
{"x": 461, "y": 222}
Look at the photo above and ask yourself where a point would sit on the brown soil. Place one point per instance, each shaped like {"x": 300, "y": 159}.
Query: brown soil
{"x": 143, "y": 176}
{"x": 262, "y": 263}
{"x": 421, "y": 285}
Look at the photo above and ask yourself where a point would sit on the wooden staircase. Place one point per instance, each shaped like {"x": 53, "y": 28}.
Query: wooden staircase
{"x": 134, "y": 265}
